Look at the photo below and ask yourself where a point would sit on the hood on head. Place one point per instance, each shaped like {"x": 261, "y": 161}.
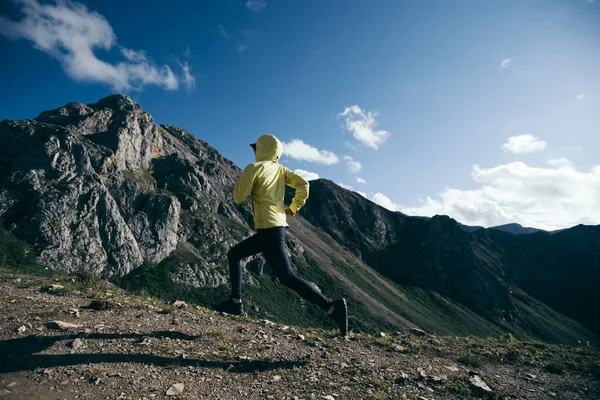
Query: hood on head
{"x": 268, "y": 148}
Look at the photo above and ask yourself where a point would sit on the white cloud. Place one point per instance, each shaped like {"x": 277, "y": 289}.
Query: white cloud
{"x": 524, "y": 144}
{"x": 242, "y": 48}
{"x": 560, "y": 162}
{"x": 256, "y": 5}
{"x": 352, "y": 165}
{"x": 299, "y": 150}
{"x": 505, "y": 63}
{"x": 590, "y": 1}
{"x": 580, "y": 96}
{"x": 546, "y": 198}
{"x": 362, "y": 125}
{"x": 384, "y": 201}
{"x": 188, "y": 79}
{"x": 250, "y": 32}
{"x": 361, "y": 180}
{"x": 347, "y": 187}
{"x": 309, "y": 176}
{"x": 71, "y": 33}
{"x": 223, "y": 32}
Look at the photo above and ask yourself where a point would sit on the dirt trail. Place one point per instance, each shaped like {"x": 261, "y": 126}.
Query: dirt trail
{"x": 143, "y": 349}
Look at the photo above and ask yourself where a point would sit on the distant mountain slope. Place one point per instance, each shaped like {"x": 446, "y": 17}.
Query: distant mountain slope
{"x": 101, "y": 189}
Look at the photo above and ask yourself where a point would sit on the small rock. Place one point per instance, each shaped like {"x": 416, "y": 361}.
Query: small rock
{"x": 255, "y": 308}
{"x": 381, "y": 334}
{"x": 179, "y": 304}
{"x": 300, "y": 337}
{"x": 478, "y": 386}
{"x": 61, "y": 325}
{"x": 267, "y": 322}
{"x": 96, "y": 381}
{"x": 402, "y": 378}
{"x": 399, "y": 348}
{"x": 22, "y": 329}
{"x": 530, "y": 377}
{"x": 100, "y": 305}
{"x": 344, "y": 365}
{"x": 328, "y": 397}
{"x": 4, "y": 392}
{"x": 276, "y": 378}
{"x": 74, "y": 312}
{"x": 53, "y": 288}
{"x": 76, "y": 344}
{"x": 12, "y": 384}
{"x": 175, "y": 389}
{"x": 17, "y": 280}
{"x": 418, "y": 332}
{"x": 451, "y": 368}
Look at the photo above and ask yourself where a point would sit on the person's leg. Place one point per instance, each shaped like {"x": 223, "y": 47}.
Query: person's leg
{"x": 245, "y": 248}
{"x": 277, "y": 258}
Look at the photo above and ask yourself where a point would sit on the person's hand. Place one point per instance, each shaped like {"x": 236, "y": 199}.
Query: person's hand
{"x": 289, "y": 212}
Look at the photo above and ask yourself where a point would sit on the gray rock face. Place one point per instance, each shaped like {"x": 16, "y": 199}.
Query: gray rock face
{"x": 101, "y": 188}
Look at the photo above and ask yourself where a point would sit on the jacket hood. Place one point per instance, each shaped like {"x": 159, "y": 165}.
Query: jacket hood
{"x": 268, "y": 148}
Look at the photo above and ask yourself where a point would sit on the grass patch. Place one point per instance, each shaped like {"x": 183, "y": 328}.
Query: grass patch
{"x": 555, "y": 367}
{"x": 470, "y": 359}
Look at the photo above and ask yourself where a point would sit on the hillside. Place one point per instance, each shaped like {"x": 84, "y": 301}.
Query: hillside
{"x": 102, "y": 190}
{"x": 131, "y": 347}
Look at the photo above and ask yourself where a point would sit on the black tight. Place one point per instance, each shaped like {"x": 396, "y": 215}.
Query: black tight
{"x": 271, "y": 242}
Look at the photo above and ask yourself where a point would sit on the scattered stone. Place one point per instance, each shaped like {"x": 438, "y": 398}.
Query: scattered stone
{"x": 52, "y": 289}
{"x": 399, "y": 348}
{"x": 328, "y": 397}
{"x": 115, "y": 375}
{"x": 11, "y": 385}
{"x": 418, "y": 332}
{"x": 96, "y": 380}
{"x": 175, "y": 389}
{"x": 402, "y": 378}
{"x": 381, "y": 334}
{"x": 179, "y": 304}
{"x": 17, "y": 280}
{"x": 276, "y": 378}
{"x": 530, "y": 377}
{"x": 300, "y": 337}
{"x": 437, "y": 379}
{"x": 267, "y": 322}
{"x": 100, "y": 305}
{"x": 4, "y": 392}
{"x": 230, "y": 368}
{"x": 451, "y": 368}
{"x": 344, "y": 365}
{"x": 22, "y": 329}
{"x": 76, "y": 344}
{"x": 255, "y": 308}
{"x": 61, "y": 325}
{"x": 479, "y": 387}
{"x": 74, "y": 312}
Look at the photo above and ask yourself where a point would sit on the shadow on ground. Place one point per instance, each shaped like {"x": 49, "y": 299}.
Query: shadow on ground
{"x": 20, "y": 354}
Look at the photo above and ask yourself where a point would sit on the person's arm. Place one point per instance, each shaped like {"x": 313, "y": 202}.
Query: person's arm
{"x": 294, "y": 180}
{"x": 244, "y": 185}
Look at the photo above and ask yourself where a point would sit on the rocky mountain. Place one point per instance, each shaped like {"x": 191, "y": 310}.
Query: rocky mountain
{"x": 103, "y": 190}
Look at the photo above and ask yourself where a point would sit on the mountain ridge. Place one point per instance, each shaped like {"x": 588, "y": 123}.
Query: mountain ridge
{"x": 103, "y": 189}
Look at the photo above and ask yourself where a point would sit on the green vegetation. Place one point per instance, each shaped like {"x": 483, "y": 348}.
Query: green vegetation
{"x": 471, "y": 360}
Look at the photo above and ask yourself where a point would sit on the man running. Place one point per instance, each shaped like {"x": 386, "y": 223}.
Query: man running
{"x": 265, "y": 181}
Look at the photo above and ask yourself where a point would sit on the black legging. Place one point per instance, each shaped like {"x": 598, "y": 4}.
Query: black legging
{"x": 271, "y": 242}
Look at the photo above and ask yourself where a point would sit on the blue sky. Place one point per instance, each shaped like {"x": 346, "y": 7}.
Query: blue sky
{"x": 487, "y": 111}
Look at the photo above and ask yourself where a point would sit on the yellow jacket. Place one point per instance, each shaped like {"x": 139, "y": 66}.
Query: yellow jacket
{"x": 265, "y": 181}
